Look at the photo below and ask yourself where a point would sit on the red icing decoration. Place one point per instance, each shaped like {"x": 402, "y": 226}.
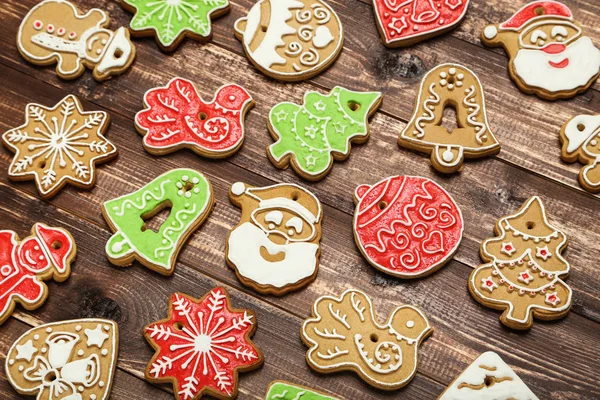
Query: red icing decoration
{"x": 405, "y": 19}
{"x": 177, "y": 116}
{"x": 202, "y": 345}
{"x": 57, "y": 244}
{"x": 407, "y": 225}
{"x": 532, "y": 11}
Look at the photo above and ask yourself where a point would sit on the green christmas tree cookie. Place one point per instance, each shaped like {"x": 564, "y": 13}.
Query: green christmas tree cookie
{"x": 311, "y": 135}
{"x": 281, "y": 390}
{"x": 188, "y": 195}
{"x": 171, "y": 20}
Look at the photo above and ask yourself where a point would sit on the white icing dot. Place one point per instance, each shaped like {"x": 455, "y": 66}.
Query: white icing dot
{"x": 238, "y": 188}
{"x": 104, "y": 352}
{"x": 104, "y": 41}
{"x": 185, "y": 178}
{"x": 188, "y": 194}
{"x": 450, "y": 86}
{"x": 164, "y": 241}
{"x": 180, "y": 193}
{"x": 161, "y": 254}
{"x": 443, "y": 82}
{"x": 11, "y": 362}
{"x": 48, "y": 330}
{"x": 195, "y": 180}
{"x": 36, "y": 337}
{"x": 271, "y": 226}
{"x": 593, "y": 142}
{"x": 92, "y": 397}
{"x": 410, "y": 324}
{"x": 490, "y": 31}
{"x": 80, "y": 388}
{"x": 290, "y": 232}
{"x": 107, "y": 327}
{"x": 36, "y": 247}
{"x": 179, "y": 185}
{"x": 232, "y": 98}
{"x": 443, "y": 75}
{"x": 101, "y": 383}
{"x": 452, "y": 71}
{"x": 448, "y": 155}
{"x": 459, "y": 83}
{"x": 44, "y": 349}
{"x": 196, "y": 190}
{"x": 21, "y": 368}
{"x": 116, "y": 208}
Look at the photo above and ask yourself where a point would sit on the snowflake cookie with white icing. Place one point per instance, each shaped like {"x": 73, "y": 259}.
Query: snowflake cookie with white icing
{"x": 170, "y": 21}
{"x": 580, "y": 138}
{"x": 59, "y": 145}
{"x": 343, "y": 334}
{"x": 54, "y": 32}
{"x": 65, "y": 360}
{"x": 450, "y": 85}
{"x": 549, "y": 55}
{"x": 202, "y": 346}
{"x": 186, "y": 193}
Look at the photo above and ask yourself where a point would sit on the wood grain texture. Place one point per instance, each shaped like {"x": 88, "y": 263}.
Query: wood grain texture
{"x": 486, "y": 190}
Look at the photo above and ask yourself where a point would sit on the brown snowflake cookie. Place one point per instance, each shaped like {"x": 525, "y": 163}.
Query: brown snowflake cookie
{"x": 580, "y": 138}
{"x": 59, "y": 145}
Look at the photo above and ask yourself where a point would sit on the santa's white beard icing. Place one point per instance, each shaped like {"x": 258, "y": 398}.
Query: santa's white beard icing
{"x": 534, "y": 69}
{"x": 245, "y": 243}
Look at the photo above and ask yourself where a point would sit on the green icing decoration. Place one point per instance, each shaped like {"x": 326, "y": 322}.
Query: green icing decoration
{"x": 323, "y": 125}
{"x": 189, "y": 195}
{"x": 286, "y": 391}
{"x": 172, "y": 18}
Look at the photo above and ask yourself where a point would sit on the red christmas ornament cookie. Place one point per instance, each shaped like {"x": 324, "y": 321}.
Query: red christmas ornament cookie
{"x": 406, "y": 22}
{"x": 202, "y": 346}
{"x": 176, "y": 117}
{"x": 406, "y": 226}
{"x": 24, "y": 264}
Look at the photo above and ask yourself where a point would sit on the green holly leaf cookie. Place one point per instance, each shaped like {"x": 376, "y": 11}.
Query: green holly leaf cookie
{"x": 311, "y": 135}
{"x": 281, "y": 390}
{"x": 171, "y": 20}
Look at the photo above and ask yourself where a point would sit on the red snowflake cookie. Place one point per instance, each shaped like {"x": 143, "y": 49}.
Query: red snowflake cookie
{"x": 202, "y": 346}
{"x": 177, "y": 117}
{"x": 407, "y": 226}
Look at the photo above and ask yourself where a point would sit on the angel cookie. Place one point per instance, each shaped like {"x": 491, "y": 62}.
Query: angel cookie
{"x": 275, "y": 247}
{"x": 68, "y": 360}
{"x": 176, "y": 117}
{"x": 59, "y": 145}
{"x": 404, "y": 23}
{"x": 310, "y": 136}
{"x": 450, "y": 85}
{"x": 524, "y": 263}
{"x": 548, "y": 54}
{"x": 46, "y": 254}
{"x": 202, "y": 346}
{"x": 54, "y": 32}
{"x": 343, "y": 335}
{"x": 186, "y": 193}
{"x": 580, "y": 138}
{"x": 291, "y": 40}
{"x": 170, "y": 21}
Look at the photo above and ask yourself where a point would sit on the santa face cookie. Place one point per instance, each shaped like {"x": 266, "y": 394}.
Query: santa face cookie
{"x": 404, "y": 23}
{"x": 291, "y": 40}
{"x": 55, "y": 32}
{"x": 580, "y": 138}
{"x": 188, "y": 196}
{"x": 59, "y": 145}
{"x": 170, "y": 21}
{"x": 281, "y": 390}
{"x": 310, "y": 136}
{"x": 406, "y": 226}
{"x": 46, "y": 254}
{"x": 549, "y": 54}
{"x": 524, "y": 263}
{"x": 68, "y": 360}
{"x": 488, "y": 378}
{"x": 176, "y": 117}
{"x": 202, "y": 346}
{"x": 343, "y": 335}
{"x": 275, "y": 247}
{"x": 450, "y": 85}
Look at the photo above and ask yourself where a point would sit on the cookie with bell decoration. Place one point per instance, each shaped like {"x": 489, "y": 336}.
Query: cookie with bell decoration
{"x": 549, "y": 54}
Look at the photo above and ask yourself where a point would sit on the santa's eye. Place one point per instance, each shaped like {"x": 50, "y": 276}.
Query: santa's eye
{"x": 559, "y": 32}
{"x": 538, "y": 35}
{"x": 295, "y": 223}
{"x": 274, "y": 217}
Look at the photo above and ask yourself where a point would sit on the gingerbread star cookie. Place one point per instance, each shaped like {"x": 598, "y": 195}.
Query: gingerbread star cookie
{"x": 170, "y": 21}
{"x": 55, "y": 32}
{"x": 202, "y": 346}
{"x": 343, "y": 334}
{"x": 580, "y": 138}
{"x": 524, "y": 268}
{"x": 59, "y": 145}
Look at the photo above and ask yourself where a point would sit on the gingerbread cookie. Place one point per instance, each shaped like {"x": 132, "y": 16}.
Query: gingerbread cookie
{"x": 176, "y": 117}
{"x": 523, "y": 270}
{"x": 68, "y": 360}
{"x": 46, "y": 254}
{"x": 488, "y": 378}
{"x": 59, "y": 145}
{"x": 404, "y": 23}
{"x": 202, "y": 346}
{"x": 54, "y": 32}
{"x": 169, "y": 21}
{"x": 189, "y": 197}
{"x": 548, "y": 54}
{"x": 275, "y": 247}
{"x": 344, "y": 335}
{"x": 580, "y": 138}
{"x": 281, "y": 390}
{"x": 450, "y": 85}
{"x": 291, "y": 40}
{"x": 406, "y": 226}
{"x": 310, "y": 136}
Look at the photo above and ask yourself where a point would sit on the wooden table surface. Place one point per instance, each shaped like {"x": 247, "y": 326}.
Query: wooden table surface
{"x": 555, "y": 359}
